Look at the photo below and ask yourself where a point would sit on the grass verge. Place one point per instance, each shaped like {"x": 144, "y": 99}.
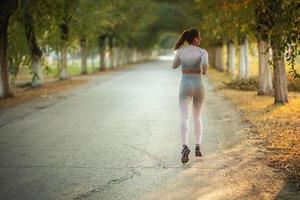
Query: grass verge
{"x": 26, "y": 92}
{"x": 277, "y": 126}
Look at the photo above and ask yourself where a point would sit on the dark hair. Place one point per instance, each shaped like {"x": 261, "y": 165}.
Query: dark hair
{"x": 187, "y": 35}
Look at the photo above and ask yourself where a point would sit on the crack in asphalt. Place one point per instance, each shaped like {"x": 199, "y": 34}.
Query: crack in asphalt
{"x": 108, "y": 184}
{"x": 159, "y": 161}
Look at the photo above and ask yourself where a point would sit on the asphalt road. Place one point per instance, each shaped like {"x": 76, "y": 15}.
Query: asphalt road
{"x": 120, "y": 140}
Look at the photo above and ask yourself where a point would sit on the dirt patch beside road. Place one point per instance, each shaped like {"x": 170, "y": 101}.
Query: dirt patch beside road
{"x": 277, "y": 126}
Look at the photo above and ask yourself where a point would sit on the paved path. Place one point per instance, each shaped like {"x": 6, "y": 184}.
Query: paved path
{"x": 120, "y": 140}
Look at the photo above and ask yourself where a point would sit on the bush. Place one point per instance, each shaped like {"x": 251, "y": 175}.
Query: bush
{"x": 293, "y": 84}
{"x": 252, "y": 84}
{"x": 243, "y": 83}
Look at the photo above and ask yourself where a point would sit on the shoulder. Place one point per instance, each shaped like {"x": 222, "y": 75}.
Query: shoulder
{"x": 180, "y": 49}
{"x": 203, "y": 51}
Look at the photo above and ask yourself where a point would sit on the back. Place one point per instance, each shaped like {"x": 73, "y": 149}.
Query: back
{"x": 191, "y": 57}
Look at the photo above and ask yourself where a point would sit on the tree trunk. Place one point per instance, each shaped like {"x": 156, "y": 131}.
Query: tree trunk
{"x": 111, "y": 51}
{"x": 270, "y": 87}
{"x": 64, "y": 34}
{"x": 227, "y": 57}
{"x": 216, "y": 55}
{"x": 64, "y": 63}
{"x": 37, "y": 78}
{"x": 219, "y": 57}
{"x": 73, "y": 58}
{"x": 117, "y": 54}
{"x": 93, "y": 62}
{"x": 128, "y": 55}
{"x": 4, "y": 86}
{"x": 230, "y": 58}
{"x": 265, "y": 85}
{"x": 211, "y": 53}
{"x": 7, "y": 8}
{"x": 83, "y": 55}
{"x": 134, "y": 55}
{"x": 244, "y": 66}
{"x": 125, "y": 55}
{"x": 36, "y": 52}
{"x": 58, "y": 58}
{"x": 101, "y": 44}
{"x": 122, "y": 56}
{"x": 280, "y": 82}
{"x": 131, "y": 57}
{"x": 102, "y": 60}
{"x": 247, "y": 57}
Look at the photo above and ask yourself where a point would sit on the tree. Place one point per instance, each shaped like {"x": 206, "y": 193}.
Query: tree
{"x": 244, "y": 64}
{"x": 230, "y": 58}
{"x": 36, "y": 52}
{"x": 265, "y": 82}
{"x": 64, "y": 35}
{"x": 101, "y": 43}
{"x": 84, "y": 27}
{"x": 7, "y": 9}
{"x": 283, "y": 32}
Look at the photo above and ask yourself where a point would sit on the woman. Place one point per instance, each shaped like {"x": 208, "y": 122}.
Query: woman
{"x": 194, "y": 64}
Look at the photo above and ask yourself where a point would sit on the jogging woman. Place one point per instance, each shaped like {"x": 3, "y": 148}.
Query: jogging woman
{"x": 194, "y": 64}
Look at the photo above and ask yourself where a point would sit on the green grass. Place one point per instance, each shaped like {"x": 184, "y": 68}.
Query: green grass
{"x": 77, "y": 70}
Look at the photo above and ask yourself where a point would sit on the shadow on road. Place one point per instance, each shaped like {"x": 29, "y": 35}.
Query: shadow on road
{"x": 238, "y": 173}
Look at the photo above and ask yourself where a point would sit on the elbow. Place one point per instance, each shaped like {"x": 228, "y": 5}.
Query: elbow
{"x": 175, "y": 66}
{"x": 204, "y": 70}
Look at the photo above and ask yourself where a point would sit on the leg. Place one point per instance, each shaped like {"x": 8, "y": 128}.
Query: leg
{"x": 184, "y": 104}
{"x": 197, "y": 107}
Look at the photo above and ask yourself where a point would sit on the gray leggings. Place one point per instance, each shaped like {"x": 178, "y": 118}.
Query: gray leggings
{"x": 191, "y": 90}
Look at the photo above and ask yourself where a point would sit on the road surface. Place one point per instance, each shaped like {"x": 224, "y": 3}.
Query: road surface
{"x": 120, "y": 140}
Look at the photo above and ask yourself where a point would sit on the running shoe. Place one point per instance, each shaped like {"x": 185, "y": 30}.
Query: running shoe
{"x": 185, "y": 154}
{"x": 197, "y": 151}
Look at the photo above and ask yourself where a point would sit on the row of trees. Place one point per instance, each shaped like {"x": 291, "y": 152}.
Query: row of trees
{"x": 29, "y": 29}
{"x": 273, "y": 24}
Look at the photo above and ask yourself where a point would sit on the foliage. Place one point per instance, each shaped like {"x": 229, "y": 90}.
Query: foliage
{"x": 168, "y": 41}
{"x": 268, "y": 19}
{"x": 242, "y": 83}
{"x": 225, "y": 20}
{"x": 18, "y": 53}
{"x": 280, "y": 21}
{"x": 294, "y": 84}
{"x": 142, "y": 23}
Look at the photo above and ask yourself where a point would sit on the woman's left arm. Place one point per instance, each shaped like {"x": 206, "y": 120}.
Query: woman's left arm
{"x": 204, "y": 62}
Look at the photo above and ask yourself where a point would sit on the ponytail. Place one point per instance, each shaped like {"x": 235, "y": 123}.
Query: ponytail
{"x": 181, "y": 39}
{"x": 187, "y": 35}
